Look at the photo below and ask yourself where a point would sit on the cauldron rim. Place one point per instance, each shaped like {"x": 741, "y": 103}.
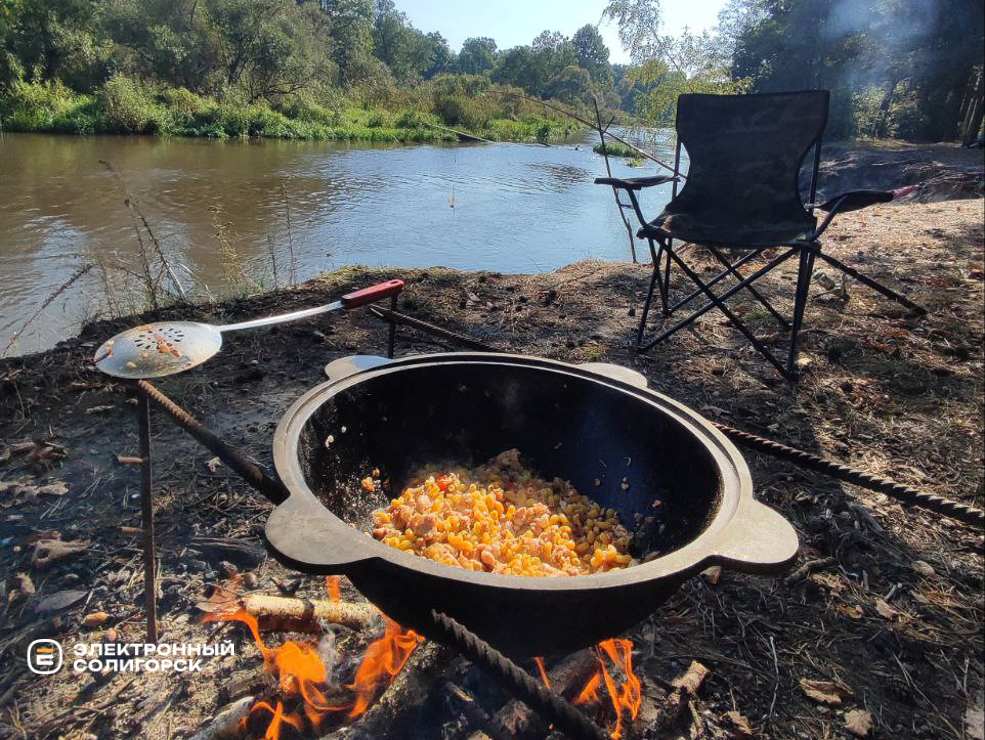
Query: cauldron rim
{"x": 735, "y": 536}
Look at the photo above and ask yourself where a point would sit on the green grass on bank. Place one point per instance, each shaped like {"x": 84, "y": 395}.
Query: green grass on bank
{"x": 126, "y": 106}
{"x": 615, "y": 149}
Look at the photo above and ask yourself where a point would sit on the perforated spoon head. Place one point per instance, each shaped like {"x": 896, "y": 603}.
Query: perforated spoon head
{"x": 158, "y": 349}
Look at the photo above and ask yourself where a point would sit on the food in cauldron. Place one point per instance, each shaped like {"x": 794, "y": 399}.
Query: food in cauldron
{"x": 501, "y": 518}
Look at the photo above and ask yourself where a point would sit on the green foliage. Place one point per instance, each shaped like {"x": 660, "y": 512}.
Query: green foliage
{"x": 478, "y": 55}
{"x": 33, "y": 106}
{"x": 128, "y": 108}
{"x": 615, "y": 149}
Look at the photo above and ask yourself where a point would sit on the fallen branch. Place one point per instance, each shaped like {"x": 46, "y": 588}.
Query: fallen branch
{"x": 679, "y": 700}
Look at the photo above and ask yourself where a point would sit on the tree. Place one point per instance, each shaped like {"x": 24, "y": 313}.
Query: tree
{"x": 351, "y": 36}
{"x": 895, "y": 67}
{"x": 573, "y": 86}
{"x": 478, "y": 55}
{"x": 667, "y": 67}
{"x": 593, "y": 55}
{"x": 439, "y": 55}
{"x": 55, "y": 39}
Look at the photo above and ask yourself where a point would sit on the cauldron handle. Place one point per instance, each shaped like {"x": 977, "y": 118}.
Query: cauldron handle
{"x": 304, "y": 536}
{"x": 757, "y": 540}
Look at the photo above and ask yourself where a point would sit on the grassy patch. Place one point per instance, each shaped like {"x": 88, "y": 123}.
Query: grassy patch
{"x": 615, "y": 149}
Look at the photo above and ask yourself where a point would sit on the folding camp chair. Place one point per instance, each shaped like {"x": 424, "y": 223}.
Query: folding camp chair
{"x": 740, "y": 198}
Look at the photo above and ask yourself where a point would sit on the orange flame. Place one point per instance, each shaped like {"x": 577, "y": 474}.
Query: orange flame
{"x": 381, "y": 663}
{"x": 590, "y": 693}
{"x": 299, "y": 671}
{"x": 543, "y": 672}
{"x": 332, "y": 586}
{"x": 628, "y": 694}
{"x": 273, "y": 729}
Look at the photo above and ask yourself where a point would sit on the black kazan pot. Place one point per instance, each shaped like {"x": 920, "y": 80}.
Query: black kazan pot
{"x": 578, "y": 423}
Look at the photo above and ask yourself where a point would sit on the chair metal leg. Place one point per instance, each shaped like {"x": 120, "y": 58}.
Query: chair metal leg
{"x": 654, "y": 279}
{"x": 715, "y": 300}
{"x": 804, "y": 275}
{"x": 878, "y": 287}
{"x": 755, "y": 293}
{"x": 715, "y": 280}
{"x": 736, "y": 322}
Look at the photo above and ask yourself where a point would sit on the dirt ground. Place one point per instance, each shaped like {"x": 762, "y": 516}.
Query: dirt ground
{"x": 893, "y": 616}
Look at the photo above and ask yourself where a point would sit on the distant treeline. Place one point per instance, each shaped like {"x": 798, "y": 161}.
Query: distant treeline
{"x": 359, "y": 69}
{"x": 278, "y": 68}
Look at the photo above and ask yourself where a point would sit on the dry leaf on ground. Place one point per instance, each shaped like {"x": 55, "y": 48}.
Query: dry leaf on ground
{"x": 858, "y": 722}
{"x": 885, "y": 610}
{"x": 739, "y": 725}
{"x": 923, "y": 568}
{"x": 825, "y": 692}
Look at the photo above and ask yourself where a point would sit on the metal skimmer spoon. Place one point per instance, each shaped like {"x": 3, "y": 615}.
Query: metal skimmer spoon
{"x": 169, "y": 347}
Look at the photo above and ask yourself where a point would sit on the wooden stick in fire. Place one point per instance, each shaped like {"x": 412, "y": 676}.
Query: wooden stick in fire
{"x": 276, "y": 613}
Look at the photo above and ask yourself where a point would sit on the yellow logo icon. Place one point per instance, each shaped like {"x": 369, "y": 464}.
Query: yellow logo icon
{"x": 44, "y": 657}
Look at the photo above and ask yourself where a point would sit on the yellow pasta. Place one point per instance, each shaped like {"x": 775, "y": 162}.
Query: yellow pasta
{"x": 501, "y": 519}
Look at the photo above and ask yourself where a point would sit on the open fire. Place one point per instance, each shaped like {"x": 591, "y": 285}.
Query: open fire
{"x": 303, "y": 678}
{"x": 615, "y": 673}
{"x": 307, "y": 697}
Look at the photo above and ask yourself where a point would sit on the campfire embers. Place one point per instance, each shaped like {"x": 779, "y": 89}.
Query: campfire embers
{"x": 615, "y": 675}
{"x": 310, "y": 694}
{"x": 303, "y": 679}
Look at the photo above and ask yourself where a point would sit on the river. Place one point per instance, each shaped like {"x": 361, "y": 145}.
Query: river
{"x": 502, "y": 207}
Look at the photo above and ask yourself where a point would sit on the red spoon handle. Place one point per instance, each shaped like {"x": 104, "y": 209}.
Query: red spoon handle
{"x": 372, "y": 294}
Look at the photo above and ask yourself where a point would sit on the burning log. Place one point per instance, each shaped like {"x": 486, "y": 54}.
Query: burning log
{"x": 412, "y": 686}
{"x": 517, "y": 720}
{"x": 228, "y": 723}
{"x": 276, "y": 613}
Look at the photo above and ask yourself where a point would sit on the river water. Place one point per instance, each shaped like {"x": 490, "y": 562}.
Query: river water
{"x": 504, "y": 207}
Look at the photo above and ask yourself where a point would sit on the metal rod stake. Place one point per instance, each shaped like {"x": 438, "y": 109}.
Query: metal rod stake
{"x": 147, "y": 517}
{"x": 392, "y": 337}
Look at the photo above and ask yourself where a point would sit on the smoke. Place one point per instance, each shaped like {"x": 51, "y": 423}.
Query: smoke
{"x": 890, "y": 29}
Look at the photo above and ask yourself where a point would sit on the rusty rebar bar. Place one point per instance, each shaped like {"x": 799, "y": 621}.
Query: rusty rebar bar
{"x": 554, "y": 709}
{"x": 247, "y": 469}
{"x": 147, "y": 518}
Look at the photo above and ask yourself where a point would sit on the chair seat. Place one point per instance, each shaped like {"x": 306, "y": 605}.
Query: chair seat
{"x": 711, "y": 230}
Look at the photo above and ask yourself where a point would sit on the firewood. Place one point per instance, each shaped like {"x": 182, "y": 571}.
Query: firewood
{"x": 517, "y": 720}
{"x": 281, "y": 614}
{"x": 228, "y": 723}
{"x": 679, "y": 700}
{"x": 412, "y": 686}
{"x": 276, "y": 613}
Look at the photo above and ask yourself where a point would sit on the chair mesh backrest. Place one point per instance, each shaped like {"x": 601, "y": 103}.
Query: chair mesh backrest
{"x": 745, "y": 157}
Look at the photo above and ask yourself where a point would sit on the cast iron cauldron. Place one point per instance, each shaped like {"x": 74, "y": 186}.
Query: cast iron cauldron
{"x": 567, "y": 421}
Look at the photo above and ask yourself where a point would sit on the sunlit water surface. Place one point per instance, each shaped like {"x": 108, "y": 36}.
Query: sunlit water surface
{"x": 504, "y": 207}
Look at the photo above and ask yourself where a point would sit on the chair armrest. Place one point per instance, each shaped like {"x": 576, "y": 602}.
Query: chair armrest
{"x": 635, "y": 183}
{"x": 854, "y": 200}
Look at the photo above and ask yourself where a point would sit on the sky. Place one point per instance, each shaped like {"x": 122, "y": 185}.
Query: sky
{"x": 516, "y": 22}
